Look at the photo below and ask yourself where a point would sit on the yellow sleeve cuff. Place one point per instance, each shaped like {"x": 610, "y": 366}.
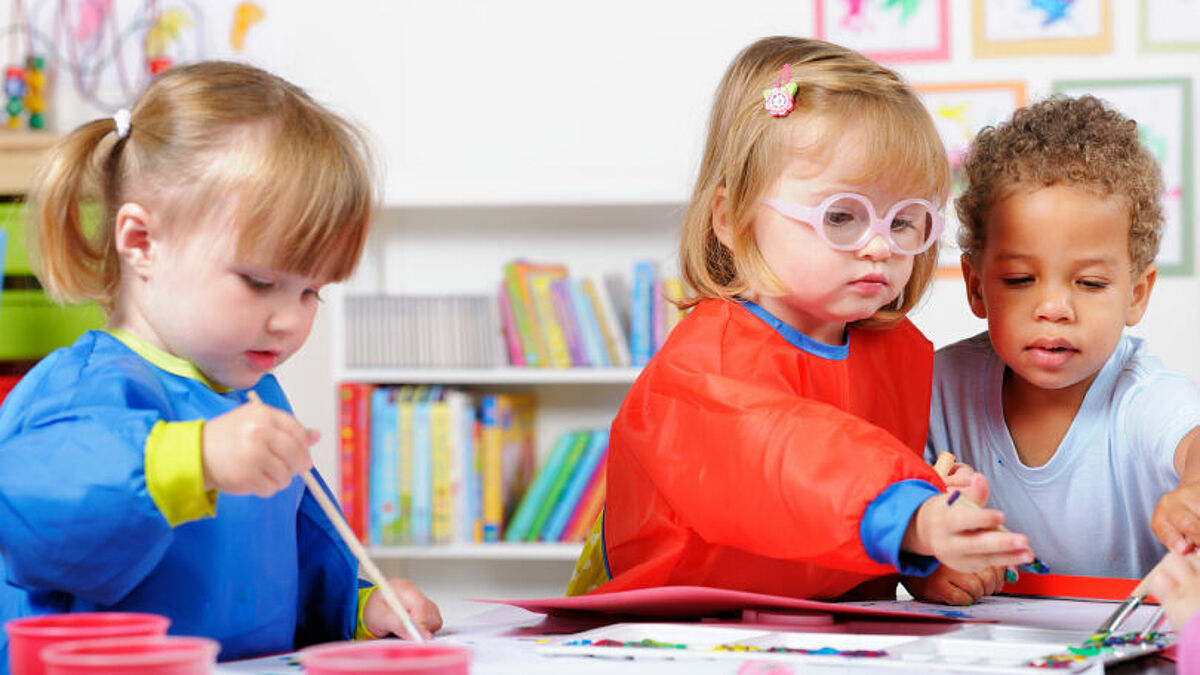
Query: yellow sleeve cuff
{"x": 360, "y": 627}
{"x": 175, "y": 474}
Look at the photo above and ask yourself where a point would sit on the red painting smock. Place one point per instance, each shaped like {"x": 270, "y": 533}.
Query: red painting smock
{"x": 741, "y": 461}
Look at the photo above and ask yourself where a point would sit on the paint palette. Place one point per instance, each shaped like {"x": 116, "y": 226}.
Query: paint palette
{"x": 970, "y": 648}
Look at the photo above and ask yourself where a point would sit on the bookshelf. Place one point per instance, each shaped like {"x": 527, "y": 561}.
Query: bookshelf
{"x": 447, "y": 249}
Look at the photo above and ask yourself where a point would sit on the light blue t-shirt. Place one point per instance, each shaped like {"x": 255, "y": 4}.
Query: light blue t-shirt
{"x": 1086, "y": 511}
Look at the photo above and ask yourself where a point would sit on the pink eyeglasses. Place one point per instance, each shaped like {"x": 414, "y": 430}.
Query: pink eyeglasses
{"x": 846, "y": 222}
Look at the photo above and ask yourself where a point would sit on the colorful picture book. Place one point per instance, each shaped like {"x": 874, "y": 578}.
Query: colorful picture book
{"x": 551, "y": 319}
{"x": 429, "y": 465}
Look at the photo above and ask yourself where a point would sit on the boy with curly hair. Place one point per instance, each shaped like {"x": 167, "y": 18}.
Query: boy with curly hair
{"x": 1091, "y": 447}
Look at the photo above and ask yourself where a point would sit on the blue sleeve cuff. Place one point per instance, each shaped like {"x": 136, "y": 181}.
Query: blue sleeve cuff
{"x": 886, "y": 520}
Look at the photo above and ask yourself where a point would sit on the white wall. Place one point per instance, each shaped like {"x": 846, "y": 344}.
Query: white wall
{"x": 543, "y": 102}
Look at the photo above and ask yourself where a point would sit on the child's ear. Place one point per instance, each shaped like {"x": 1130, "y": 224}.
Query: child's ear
{"x": 136, "y": 236}
{"x": 720, "y": 218}
{"x": 974, "y": 284}
{"x": 1139, "y": 294}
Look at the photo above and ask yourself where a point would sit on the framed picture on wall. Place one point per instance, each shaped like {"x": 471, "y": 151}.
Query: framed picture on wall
{"x": 1022, "y": 28}
{"x": 1169, "y": 25}
{"x": 959, "y": 111}
{"x": 1163, "y": 110}
{"x": 886, "y": 30}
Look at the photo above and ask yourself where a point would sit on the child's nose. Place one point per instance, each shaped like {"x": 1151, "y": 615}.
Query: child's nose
{"x": 286, "y": 319}
{"x": 876, "y": 248}
{"x": 1055, "y": 305}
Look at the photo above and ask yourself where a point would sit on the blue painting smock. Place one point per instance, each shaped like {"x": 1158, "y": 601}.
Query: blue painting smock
{"x": 80, "y": 530}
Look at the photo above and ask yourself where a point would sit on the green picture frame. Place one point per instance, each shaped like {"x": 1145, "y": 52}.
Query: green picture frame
{"x": 1163, "y": 109}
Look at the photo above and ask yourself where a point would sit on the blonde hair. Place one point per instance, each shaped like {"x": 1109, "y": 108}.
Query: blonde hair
{"x": 1068, "y": 141}
{"x": 201, "y": 134}
{"x": 745, "y": 150}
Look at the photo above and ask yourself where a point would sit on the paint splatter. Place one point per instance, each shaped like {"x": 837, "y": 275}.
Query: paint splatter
{"x": 1098, "y": 644}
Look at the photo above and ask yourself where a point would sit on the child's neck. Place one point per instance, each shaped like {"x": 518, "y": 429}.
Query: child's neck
{"x": 1038, "y": 419}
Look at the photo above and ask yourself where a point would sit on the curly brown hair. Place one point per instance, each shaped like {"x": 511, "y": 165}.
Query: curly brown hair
{"x": 1063, "y": 140}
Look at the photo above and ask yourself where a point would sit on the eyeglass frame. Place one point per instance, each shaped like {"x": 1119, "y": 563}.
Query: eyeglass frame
{"x": 812, "y": 215}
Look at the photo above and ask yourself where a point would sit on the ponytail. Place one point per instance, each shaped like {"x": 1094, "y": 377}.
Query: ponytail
{"x": 77, "y": 260}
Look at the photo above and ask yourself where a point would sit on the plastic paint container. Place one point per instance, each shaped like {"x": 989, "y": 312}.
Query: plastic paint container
{"x": 145, "y": 655}
{"x": 391, "y": 657}
{"x": 28, "y": 635}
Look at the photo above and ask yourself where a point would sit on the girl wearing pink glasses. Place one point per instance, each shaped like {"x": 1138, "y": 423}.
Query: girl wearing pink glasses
{"x": 774, "y": 443}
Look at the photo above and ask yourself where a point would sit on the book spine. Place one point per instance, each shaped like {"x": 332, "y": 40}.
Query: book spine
{"x": 673, "y": 289}
{"x": 512, "y": 337}
{"x": 589, "y": 327}
{"x": 590, "y": 505}
{"x": 349, "y": 449}
{"x": 552, "y": 331}
{"x": 581, "y": 475}
{"x": 658, "y": 316}
{"x": 422, "y": 478}
{"x": 522, "y": 310}
{"x": 641, "y": 334}
{"x": 522, "y": 520}
{"x": 439, "y": 442}
{"x": 565, "y": 313}
{"x": 491, "y": 444}
{"x": 610, "y": 322}
{"x": 404, "y": 464}
{"x": 382, "y": 477}
{"x": 562, "y": 476}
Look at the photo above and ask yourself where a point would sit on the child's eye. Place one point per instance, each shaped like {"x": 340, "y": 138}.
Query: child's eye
{"x": 1093, "y": 284}
{"x": 902, "y": 224}
{"x": 313, "y": 293}
{"x": 1015, "y": 281}
{"x": 839, "y": 218}
{"x": 256, "y": 283}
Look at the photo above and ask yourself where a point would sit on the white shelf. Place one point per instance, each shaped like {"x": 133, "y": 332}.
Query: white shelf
{"x": 497, "y": 551}
{"x": 488, "y": 376}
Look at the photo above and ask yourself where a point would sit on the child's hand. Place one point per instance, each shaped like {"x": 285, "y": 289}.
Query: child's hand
{"x": 254, "y": 449}
{"x": 951, "y": 587}
{"x": 963, "y": 537}
{"x": 959, "y": 477}
{"x": 1176, "y": 520}
{"x": 381, "y": 621}
{"x": 1176, "y": 584}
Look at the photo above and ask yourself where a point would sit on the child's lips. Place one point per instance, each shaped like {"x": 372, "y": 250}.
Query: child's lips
{"x": 262, "y": 359}
{"x": 1051, "y": 353}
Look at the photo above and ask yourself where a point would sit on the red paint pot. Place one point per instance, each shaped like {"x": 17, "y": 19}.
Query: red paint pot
{"x": 28, "y": 635}
{"x": 385, "y": 657}
{"x": 146, "y": 655}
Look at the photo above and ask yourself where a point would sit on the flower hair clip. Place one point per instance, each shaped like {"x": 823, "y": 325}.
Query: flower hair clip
{"x": 780, "y": 99}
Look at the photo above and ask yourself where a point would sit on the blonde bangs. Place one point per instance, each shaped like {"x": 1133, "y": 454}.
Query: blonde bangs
{"x": 302, "y": 203}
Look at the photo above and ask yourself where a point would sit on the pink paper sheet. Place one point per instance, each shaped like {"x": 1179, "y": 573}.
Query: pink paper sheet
{"x": 690, "y": 602}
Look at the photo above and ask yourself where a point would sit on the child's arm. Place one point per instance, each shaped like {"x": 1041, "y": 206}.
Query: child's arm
{"x": 966, "y": 539}
{"x": 1176, "y": 520}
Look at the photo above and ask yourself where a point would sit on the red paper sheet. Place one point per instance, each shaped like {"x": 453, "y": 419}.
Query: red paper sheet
{"x": 691, "y": 602}
{"x": 1063, "y": 586}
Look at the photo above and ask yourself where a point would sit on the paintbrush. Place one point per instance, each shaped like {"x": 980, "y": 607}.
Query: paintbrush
{"x": 1127, "y": 606}
{"x": 339, "y": 523}
{"x": 945, "y": 462}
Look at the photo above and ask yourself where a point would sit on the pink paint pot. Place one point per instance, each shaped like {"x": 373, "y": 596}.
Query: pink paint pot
{"x": 145, "y": 655}
{"x": 28, "y": 635}
{"x": 385, "y": 657}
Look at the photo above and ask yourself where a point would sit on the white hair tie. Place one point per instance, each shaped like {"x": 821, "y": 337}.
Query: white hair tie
{"x": 122, "y": 118}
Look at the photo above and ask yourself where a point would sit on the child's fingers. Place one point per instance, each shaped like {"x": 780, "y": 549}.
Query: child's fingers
{"x": 971, "y": 519}
{"x": 977, "y": 489}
